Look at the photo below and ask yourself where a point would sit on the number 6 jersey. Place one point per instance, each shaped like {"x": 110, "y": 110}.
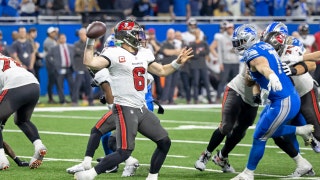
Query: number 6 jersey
{"x": 128, "y": 74}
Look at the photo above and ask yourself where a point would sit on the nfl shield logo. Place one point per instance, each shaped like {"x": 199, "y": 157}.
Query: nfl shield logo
{"x": 122, "y": 59}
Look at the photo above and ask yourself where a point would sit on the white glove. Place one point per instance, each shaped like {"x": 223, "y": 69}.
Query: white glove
{"x": 289, "y": 70}
{"x": 292, "y": 55}
{"x": 274, "y": 83}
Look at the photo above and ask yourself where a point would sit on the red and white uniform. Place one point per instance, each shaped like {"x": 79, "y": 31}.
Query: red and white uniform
{"x": 13, "y": 75}
{"x": 303, "y": 83}
{"x": 128, "y": 74}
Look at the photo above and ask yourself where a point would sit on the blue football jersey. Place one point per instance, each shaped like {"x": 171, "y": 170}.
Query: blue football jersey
{"x": 267, "y": 51}
{"x": 297, "y": 42}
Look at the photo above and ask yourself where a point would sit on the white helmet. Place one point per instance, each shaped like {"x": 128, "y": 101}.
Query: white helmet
{"x": 244, "y": 37}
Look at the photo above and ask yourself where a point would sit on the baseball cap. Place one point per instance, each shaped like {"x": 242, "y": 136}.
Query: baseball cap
{"x": 192, "y": 21}
{"x": 229, "y": 25}
{"x": 151, "y": 31}
{"x": 51, "y": 29}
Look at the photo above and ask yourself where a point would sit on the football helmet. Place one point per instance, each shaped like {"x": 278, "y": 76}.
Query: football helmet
{"x": 303, "y": 30}
{"x": 244, "y": 37}
{"x": 277, "y": 27}
{"x": 129, "y": 32}
{"x": 275, "y": 39}
{"x": 192, "y": 25}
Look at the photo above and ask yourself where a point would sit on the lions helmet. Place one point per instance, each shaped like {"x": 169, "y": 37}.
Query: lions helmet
{"x": 244, "y": 37}
{"x": 129, "y": 32}
{"x": 277, "y": 27}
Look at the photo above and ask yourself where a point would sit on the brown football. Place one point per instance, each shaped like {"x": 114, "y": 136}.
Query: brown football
{"x": 96, "y": 29}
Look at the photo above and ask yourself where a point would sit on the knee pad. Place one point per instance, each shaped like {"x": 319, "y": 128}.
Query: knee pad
{"x": 164, "y": 144}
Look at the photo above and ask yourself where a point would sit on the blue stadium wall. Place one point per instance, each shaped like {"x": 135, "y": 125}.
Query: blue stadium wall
{"x": 70, "y": 31}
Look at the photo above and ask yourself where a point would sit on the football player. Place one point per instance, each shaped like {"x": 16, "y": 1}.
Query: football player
{"x": 265, "y": 68}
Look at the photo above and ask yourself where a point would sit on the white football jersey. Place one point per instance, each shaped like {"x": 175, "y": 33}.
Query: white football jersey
{"x": 303, "y": 83}
{"x": 12, "y": 75}
{"x": 102, "y": 76}
{"x": 128, "y": 74}
{"x": 238, "y": 84}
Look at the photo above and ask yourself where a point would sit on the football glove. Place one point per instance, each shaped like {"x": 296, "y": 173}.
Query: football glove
{"x": 274, "y": 83}
{"x": 289, "y": 70}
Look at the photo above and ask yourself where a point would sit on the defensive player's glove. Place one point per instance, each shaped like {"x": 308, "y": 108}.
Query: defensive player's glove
{"x": 289, "y": 70}
{"x": 103, "y": 99}
{"x": 274, "y": 83}
{"x": 257, "y": 99}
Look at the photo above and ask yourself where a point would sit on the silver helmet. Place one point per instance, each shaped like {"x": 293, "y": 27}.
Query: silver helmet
{"x": 244, "y": 37}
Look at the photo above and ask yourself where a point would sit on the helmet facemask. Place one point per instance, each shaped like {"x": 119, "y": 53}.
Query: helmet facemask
{"x": 244, "y": 37}
{"x": 276, "y": 40}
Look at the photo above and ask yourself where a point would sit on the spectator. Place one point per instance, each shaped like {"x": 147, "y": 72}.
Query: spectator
{"x": 32, "y": 35}
{"x": 82, "y": 75}
{"x": 234, "y": 7}
{"x": 180, "y": 8}
{"x": 86, "y": 6}
{"x": 3, "y": 45}
{"x": 184, "y": 86}
{"x": 207, "y": 7}
{"x": 62, "y": 57}
{"x": 305, "y": 37}
{"x": 142, "y": 8}
{"x": 195, "y": 6}
{"x": 28, "y": 8}
{"x": 154, "y": 45}
{"x": 164, "y": 8}
{"x": 228, "y": 59}
{"x": 248, "y": 8}
{"x": 106, "y": 4}
{"x": 279, "y": 8}
{"x": 48, "y": 43}
{"x": 10, "y": 8}
{"x": 297, "y": 8}
{"x": 22, "y": 51}
{"x": 188, "y": 36}
{"x": 58, "y": 7}
{"x": 169, "y": 53}
{"x": 261, "y": 7}
{"x": 125, "y": 6}
{"x": 221, "y": 10}
{"x": 198, "y": 67}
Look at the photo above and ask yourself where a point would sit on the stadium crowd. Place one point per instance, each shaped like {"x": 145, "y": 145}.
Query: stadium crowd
{"x": 169, "y": 8}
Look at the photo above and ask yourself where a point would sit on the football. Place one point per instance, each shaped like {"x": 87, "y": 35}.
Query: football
{"x": 96, "y": 29}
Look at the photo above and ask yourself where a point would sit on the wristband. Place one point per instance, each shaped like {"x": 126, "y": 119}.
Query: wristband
{"x": 175, "y": 65}
{"x": 90, "y": 42}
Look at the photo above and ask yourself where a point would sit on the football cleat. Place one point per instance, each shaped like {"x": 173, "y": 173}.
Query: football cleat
{"x": 131, "y": 166}
{"x": 202, "y": 161}
{"x": 223, "y": 163}
{"x": 244, "y": 175}
{"x": 4, "y": 163}
{"x": 303, "y": 168}
{"x": 315, "y": 145}
{"x": 306, "y": 133}
{"x": 38, "y": 156}
{"x": 77, "y": 168}
{"x": 83, "y": 175}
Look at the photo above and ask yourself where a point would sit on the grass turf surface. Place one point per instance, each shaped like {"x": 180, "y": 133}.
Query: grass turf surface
{"x": 65, "y": 132}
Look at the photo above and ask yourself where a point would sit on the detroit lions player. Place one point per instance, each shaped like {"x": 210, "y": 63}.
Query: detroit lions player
{"x": 265, "y": 68}
{"x": 289, "y": 49}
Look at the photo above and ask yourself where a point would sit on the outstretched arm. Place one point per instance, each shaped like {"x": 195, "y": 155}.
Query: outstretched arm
{"x": 165, "y": 70}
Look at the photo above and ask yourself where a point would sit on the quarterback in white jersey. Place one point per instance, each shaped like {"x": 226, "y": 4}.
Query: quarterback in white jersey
{"x": 19, "y": 94}
{"x": 128, "y": 66}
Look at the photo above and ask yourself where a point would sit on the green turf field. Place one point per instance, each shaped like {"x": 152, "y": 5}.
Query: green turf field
{"x": 65, "y": 133}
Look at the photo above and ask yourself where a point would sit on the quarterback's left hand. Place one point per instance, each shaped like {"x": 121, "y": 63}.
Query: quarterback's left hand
{"x": 185, "y": 55}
